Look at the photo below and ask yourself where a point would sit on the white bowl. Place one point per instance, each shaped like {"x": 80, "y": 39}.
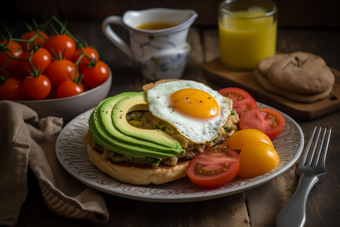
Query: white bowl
{"x": 70, "y": 107}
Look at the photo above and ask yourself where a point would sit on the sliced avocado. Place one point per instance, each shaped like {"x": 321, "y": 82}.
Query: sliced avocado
{"x": 107, "y": 135}
{"x": 120, "y": 147}
{"x": 137, "y": 101}
{"x": 106, "y": 112}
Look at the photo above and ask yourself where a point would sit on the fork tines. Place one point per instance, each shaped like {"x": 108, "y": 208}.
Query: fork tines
{"x": 314, "y": 161}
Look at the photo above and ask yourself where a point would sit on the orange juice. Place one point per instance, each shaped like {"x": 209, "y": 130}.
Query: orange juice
{"x": 246, "y": 38}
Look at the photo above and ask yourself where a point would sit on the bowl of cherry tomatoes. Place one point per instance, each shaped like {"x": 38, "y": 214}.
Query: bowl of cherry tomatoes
{"x": 70, "y": 107}
{"x": 54, "y": 75}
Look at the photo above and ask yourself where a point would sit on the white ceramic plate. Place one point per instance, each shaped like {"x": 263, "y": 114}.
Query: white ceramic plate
{"x": 72, "y": 154}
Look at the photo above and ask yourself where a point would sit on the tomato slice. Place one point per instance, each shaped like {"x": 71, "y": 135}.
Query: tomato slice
{"x": 267, "y": 120}
{"x": 214, "y": 167}
{"x": 242, "y": 100}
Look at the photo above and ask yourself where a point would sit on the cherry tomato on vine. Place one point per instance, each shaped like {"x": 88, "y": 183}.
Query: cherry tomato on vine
{"x": 267, "y": 120}
{"x": 61, "y": 70}
{"x": 60, "y": 46}
{"x": 12, "y": 49}
{"x": 95, "y": 76}
{"x": 39, "y": 40}
{"x": 69, "y": 88}
{"x": 12, "y": 89}
{"x": 213, "y": 167}
{"x": 41, "y": 59}
{"x": 37, "y": 88}
{"x": 242, "y": 100}
{"x": 88, "y": 51}
{"x": 257, "y": 158}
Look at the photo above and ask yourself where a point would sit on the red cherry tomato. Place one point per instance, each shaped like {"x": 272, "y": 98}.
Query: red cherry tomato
{"x": 88, "y": 51}
{"x": 12, "y": 89}
{"x": 61, "y": 70}
{"x": 60, "y": 46}
{"x": 12, "y": 49}
{"x": 41, "y": 59}
{"x": 37, "y": 88}
{"x": 69, "y": 88}
{"x": 214, "y": 167}
{"x": 267, "y": 120}
{"x": 95, "y": 76}
{"x": 38, "y": 40}
{"x": 242, "y": 100}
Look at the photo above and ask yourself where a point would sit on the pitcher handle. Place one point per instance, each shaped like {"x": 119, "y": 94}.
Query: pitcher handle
{"x": 113, "y": 37}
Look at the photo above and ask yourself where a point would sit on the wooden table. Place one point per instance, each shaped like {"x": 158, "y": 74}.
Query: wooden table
{"x": 257, "y": 207}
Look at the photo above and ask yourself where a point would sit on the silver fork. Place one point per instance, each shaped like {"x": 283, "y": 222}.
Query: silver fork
{"x": 311, "y": 171}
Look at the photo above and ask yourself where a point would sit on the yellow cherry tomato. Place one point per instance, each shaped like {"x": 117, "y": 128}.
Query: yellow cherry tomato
{"x": 240, "y": 138}
{"x": 257, "y": 158}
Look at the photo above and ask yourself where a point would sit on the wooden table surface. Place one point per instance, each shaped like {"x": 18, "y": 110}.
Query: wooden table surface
{"x": 257, "y": 207}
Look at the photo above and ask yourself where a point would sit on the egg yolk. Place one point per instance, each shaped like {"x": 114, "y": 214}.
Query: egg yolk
{"x": 195, "y": 103}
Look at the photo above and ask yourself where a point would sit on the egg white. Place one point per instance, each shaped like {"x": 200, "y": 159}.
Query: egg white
{"x": 197, "y": 130}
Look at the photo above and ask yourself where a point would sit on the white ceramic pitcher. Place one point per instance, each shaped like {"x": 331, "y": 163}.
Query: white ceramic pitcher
{"x": 160, "y": 54}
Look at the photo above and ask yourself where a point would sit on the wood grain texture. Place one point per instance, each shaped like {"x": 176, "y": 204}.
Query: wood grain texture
{"x": 255, "y": 208}
{"x": 303, "y": 13}
{"x": 312, "y": 43}
{"x": 215, "y": 71}
{"x": 265, "y": 202}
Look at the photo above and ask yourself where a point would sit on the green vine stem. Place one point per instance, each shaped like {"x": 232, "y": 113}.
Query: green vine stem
{"x": 78, "y": 43}
{"x": 38, "y": 28}
{"x": 2, "y": 80}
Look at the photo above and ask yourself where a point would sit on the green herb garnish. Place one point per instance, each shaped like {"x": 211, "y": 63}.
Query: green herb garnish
{"x": 135, "y": 117}
{"x": 157, "y": 127}
{"x": 153, "y": 160}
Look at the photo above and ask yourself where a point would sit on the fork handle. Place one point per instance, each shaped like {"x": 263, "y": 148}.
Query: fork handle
{"x": 293, "y": 213}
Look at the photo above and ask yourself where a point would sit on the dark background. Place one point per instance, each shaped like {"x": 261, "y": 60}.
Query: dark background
{"x": 292, "y": 13}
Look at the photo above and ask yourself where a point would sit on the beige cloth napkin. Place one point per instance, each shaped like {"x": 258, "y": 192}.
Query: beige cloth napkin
{"x": 26, "y": 141}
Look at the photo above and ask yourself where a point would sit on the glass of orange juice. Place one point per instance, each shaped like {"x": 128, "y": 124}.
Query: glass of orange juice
{"x": 247, "y": 32}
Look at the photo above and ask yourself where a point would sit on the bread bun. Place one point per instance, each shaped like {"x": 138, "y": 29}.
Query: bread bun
{"x": 266, "y": 84}
{"x": 135, "y": 173}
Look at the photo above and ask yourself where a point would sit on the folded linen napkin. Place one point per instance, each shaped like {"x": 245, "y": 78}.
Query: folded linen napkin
{"x": 26, "y": 141}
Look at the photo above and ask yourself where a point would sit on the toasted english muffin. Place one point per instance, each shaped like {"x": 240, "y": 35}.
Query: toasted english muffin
{"x": 137, "y": 174}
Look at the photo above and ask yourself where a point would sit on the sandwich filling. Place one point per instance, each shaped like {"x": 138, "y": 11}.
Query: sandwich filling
{"x": 145, "y": 120}
{"x": 169, "y": 122}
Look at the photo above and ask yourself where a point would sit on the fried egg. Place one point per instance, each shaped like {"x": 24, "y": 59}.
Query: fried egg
{"x": 194, "y": 109}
